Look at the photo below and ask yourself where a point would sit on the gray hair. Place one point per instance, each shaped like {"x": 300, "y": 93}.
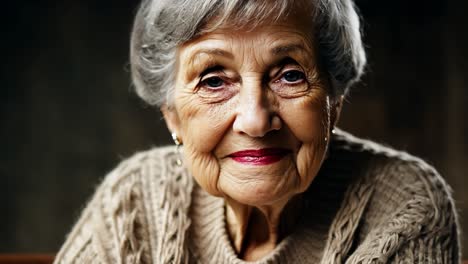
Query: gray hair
{"x": 162, "y": 25}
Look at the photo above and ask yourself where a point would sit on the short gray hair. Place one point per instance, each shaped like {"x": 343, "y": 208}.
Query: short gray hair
{"x": 162, "y": 25}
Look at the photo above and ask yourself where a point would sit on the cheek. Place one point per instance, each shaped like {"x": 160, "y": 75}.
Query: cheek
{"x": 309, "y": 121}
{"x": 204, "y": 167}
{"x": 202, "y": 128}
{"x": 308, "y": 118}
{"x": 203, "y": 125}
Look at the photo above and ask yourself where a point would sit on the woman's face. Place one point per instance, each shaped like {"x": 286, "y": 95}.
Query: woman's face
{"x": 251, "y": 111}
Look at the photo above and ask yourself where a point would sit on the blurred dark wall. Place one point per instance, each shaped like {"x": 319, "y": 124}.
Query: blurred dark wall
{"x": 68, "y": 113}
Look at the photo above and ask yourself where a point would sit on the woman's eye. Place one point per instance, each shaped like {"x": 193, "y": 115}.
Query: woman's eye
{"x": 291, "y": 83}
{"x": 215, "y": 88}
{"x": 213, "y": 82}
{"x": 293, "y": 76}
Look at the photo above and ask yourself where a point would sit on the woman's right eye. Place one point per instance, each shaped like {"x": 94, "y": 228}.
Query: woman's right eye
{"x": 215, "y": 88}
{"x": 213, "y": 82}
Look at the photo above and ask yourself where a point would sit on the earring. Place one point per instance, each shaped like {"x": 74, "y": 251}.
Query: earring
{"x": 178, "y": 144}
{"x": 176, "y": 138}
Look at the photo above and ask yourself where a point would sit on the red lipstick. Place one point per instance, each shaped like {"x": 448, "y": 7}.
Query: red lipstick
{"x": 259, "y": 156}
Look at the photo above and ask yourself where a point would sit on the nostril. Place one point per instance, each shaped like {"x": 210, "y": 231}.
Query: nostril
{"x": 275, "y": 122}
{"x": 255, "y": 114}
{"x": 256, "y": 125}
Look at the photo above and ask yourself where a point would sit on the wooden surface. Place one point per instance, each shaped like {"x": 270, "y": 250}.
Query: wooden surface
{"x": 26, "y": 258}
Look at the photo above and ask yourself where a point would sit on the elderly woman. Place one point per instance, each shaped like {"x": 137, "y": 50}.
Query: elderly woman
{"x": 251, "y": 92}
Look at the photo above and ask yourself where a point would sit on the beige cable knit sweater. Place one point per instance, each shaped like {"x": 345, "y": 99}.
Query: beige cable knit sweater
{"x": 369, "y": 204}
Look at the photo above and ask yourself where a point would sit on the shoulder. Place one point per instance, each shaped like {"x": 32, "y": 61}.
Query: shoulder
{"x": 146, "y": 177}
{"x": 397, "y": 170}
{"x": 407, "y": 198}
{"x": 159, "y": 163}
{"x": 398, "y": 179}
{"x": 122, "y": 219}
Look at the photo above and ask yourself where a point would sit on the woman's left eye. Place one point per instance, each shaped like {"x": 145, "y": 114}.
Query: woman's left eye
{"x": 213, "y": 82}
{"x": 290, "y": 83}
{"x": 293, "y": 76}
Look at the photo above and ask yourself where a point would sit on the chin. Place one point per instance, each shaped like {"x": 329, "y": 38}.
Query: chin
{"x": 257, "y": 194}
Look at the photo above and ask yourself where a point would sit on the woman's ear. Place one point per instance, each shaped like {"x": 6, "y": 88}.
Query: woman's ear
{"x": 172, "y": 119}
{"x": 336, "y": 111}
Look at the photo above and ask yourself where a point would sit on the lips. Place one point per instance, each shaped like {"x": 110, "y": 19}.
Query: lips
{"x": 259, "y": 156}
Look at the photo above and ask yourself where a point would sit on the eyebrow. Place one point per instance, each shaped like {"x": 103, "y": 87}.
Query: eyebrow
{"x": 285, "y": 49}
{"x": 282, "y": 49}
{"x": 212, "y": 51}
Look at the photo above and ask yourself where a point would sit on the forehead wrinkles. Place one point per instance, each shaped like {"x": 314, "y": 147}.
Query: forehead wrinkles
{"x": 263, "y": 47}
{"x": 198, "y": 53}
{"x": 249, "y": 49}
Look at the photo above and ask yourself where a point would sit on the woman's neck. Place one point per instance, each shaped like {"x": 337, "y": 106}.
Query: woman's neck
{"x": 255, "y": 231}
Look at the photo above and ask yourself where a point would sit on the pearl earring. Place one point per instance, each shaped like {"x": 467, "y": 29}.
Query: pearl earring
{"x": 178, "y": 144}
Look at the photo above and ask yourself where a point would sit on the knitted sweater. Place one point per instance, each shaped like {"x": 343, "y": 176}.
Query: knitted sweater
{"x": 368, "y": 204}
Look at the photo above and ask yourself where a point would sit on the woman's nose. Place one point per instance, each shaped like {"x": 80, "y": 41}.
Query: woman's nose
{"x": 255, "y": 114}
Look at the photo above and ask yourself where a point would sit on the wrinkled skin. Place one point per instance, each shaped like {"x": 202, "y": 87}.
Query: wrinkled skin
{"x": 238, "y": 90}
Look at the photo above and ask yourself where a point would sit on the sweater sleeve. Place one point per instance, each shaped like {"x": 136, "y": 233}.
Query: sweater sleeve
{"x": 110, "y": 228}
{"x": 139, "y": 209}
{"x": 105, "y": 231}
{"x": 78, "y": 247}
{"x": 422, "y": 225}
{"x": 431, "y": 249}
{"x": 435, "y": 238}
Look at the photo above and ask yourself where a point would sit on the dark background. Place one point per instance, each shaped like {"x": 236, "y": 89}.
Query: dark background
{"x": 68, "y": 113}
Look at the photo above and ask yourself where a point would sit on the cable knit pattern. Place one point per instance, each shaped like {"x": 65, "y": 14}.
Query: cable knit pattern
{"x": 368, "y": 204}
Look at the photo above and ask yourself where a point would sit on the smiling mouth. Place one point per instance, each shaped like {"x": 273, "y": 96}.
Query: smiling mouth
{"x": 259, "y": 156}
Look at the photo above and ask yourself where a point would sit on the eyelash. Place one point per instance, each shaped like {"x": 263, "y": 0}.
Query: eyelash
{"x": 204, "y": 82}
{"x": 302, "y": 77}
{"x": 216, "y": 72}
